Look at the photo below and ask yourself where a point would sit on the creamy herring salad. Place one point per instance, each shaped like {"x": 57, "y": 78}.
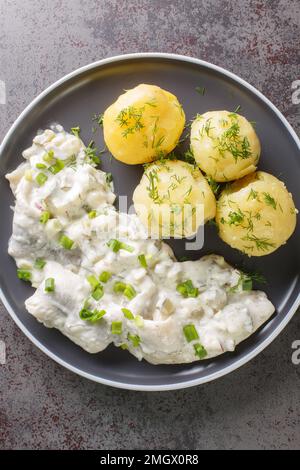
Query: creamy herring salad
{"x": 99, "y": 279}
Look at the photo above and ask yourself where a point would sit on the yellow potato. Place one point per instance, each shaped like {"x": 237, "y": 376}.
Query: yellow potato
{"x": 256, "y": 214}
{"x": 143, "y": 124}
{"x": 225, "y": 145}
{"x": 173, "y": 199}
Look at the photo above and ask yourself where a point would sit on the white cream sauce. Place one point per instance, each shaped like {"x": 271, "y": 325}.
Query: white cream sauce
{"x": 222, "y": 314}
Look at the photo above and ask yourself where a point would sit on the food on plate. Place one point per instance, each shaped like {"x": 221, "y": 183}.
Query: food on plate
{"x": 143, "y": 124}
{"x": 99, "y": 279}
{"x": 256, "y": 214}
{"x": 173, "y": 198}
{"x": 225, "y": 145}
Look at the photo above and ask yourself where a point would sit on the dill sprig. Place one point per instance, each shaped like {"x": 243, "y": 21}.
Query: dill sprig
{"x": 98, "y": 118}
{"x": 215, "y": 187}
{"x": 270, "y": 200}
{"x": 262, "y": 244}
{"x": 131, "y": 118}
{"x": 232, "y": 142}
{"x": 92, "y": 153}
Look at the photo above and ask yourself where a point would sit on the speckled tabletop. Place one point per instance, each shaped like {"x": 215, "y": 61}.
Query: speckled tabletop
{"x": 43, "y": 405}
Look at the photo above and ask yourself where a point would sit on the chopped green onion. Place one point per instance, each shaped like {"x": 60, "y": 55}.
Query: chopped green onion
{"x": 49, "y": 157}
{"x": 116, "y": 327}
{"x": 190, "y": 332}
{"x": 128, "y": 314}
{"x": 57, "y": 166}
{"x": 123, "y": 346}
{"x": 49, "y": 284}
{"x": 247, "y": 283}
{"x": 98, "y": 292}
{"x": 142, "y": 260}
{"x": 139, "y": 321}
{"x": 129, "y": 292}
{"x": 187, "y": 289}
{"x": 39, "y": 263}
{"x": 91, "y": 316}
{"x": 105, "y": 276}
{"x": 200, "y": 350}
{"x": 116, "y": 246}
{"x": 135, "y": 339}
{"x": 41, "y": 166}
{"x": 92, "y": 214}
{"x": 24, "y": 275}
{"x": 75, "y": 131}
{"x": 66, "y": 242}
{"x": 119, "y": 287}
{"x": 126, "y": 289}
{"x": 41, "y": 179}
{"x": 45, "y": 216}
{"x": 93, "y": 281}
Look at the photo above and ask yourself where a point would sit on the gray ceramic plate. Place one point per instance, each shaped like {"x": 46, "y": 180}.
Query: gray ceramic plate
{"x": 72, "y": 101}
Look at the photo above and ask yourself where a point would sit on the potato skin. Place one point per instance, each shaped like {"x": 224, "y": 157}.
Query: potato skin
{"x": 256, "y": 214}
{"x": 173, "y": 198}
{"x": 225, "y": 145}
{"x": 143, "y": 124}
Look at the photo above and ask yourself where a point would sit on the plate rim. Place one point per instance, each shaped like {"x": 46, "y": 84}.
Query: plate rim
{"x": 123, "y": 385}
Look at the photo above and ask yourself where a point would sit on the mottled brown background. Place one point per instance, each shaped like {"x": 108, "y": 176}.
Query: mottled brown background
{"x": 41, "y": 404}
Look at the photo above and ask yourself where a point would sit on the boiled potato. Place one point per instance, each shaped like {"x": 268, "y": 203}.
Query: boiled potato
{"x": 225, "y": 145}
{"x": 256, "y": 214}
{"x": 143, "y": 124}
{"x": 173, "y": 199}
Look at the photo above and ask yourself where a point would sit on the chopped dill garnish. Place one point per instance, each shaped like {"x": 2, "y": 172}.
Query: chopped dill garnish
{"x": 215, "y": 187}
{"x": 270, "y": 200}
{"x": 152, "y": 188}
{"x": 130, "y": 118}
{"x": 235, "y": 217}
{"x": 262, "y": 244}
{"x": 92, "y": 154}
{"x": 98, "y": 118}
{"x": 75, "y": 131}
{"x": 252, "y": 195}
{"x": 188, "y": 157}
{"x": 232, "y": 142}
{"x": 200, "y": 90}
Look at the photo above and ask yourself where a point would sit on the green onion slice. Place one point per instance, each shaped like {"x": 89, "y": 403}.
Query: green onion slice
{"x": 57, "y": 166}
{"x": 98, "y": 292}
{"x": 142, "y": 260}
{"x": 93, "y": 281}
{"x": 91, "y": 315}
{"x": 129, "y": 292}
{"x": 128, "y": 314}
{"x": 116, "y": 246}
{"x": 116, "y": 327}
{"x": 24, "y": 275}
{"x": 135, "y": 340}
{"x": 200, "y": 350}
{"x": 190, "y": 332}
{"x": 92, "y": 214}
{"x": 39, "y": 263}
{"x": 41, "y": 179}
{"x": 187, "y": 289}
{"x": 105, "y": 276}
{"x": 66, "y": 242}
{"x": 49, "y": 284}
{"x": 45, "y": 216}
